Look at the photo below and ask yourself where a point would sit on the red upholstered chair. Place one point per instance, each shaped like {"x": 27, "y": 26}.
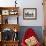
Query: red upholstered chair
{"x": 28, "y": 34}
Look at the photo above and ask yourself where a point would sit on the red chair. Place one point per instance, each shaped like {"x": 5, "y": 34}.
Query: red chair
{"x": 29, "y": 33}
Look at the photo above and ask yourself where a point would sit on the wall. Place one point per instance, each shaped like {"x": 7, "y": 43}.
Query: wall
{"x": 27, "y": 4}
{"x": 32, "y": 4}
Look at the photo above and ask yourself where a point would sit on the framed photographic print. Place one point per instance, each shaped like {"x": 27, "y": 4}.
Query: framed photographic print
{"x": 29, "y": 13}
{"x": 5, "y": 12}
{"x": 13, "y": 12}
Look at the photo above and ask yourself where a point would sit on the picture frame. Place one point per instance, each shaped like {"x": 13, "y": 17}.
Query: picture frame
{"x": 5, "y": 12}
{"x": 30, "y": 13}
{"x": 13, "y": 12}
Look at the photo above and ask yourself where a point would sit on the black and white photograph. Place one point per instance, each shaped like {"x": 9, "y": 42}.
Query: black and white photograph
{"x": 29, "y": 13}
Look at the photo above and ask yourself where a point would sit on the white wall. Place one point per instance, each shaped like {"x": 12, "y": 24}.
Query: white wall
{"x": 32, "y": 4}
{"x": 27, "y": 4}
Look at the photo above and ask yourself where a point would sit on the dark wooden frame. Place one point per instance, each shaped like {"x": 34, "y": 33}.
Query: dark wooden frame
{"x": 29, "y": 9}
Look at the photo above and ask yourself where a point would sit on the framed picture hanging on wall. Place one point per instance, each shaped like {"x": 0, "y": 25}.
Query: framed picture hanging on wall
{"x": 30, "y": 13}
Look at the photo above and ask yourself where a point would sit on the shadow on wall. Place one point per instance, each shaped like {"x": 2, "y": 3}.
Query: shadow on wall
{"x": 37, "y": 29}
